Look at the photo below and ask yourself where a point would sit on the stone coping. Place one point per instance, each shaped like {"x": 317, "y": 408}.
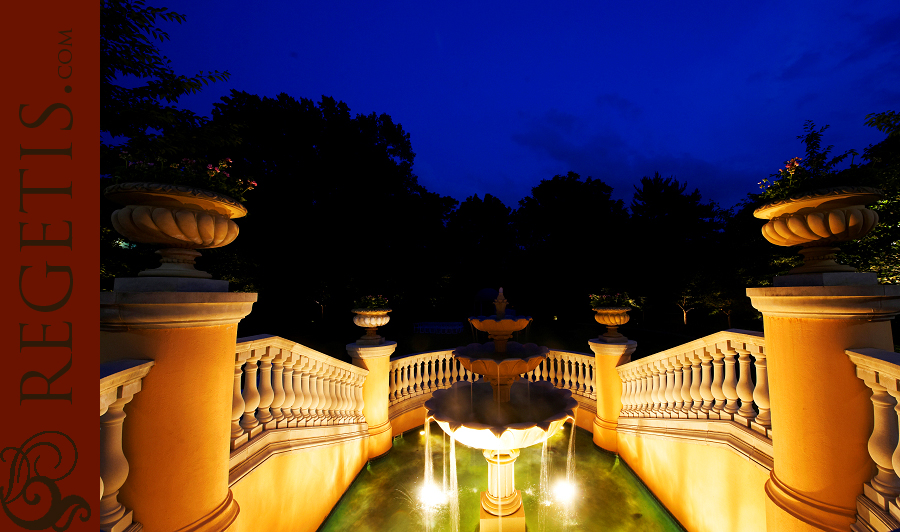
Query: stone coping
{"x": 263, "y": 341}
{"x": 168, "y": 310}
{"x": 721, "y": 337}
{"x": 867, "y": 302}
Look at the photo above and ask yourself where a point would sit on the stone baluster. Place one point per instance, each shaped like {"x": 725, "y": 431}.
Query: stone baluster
{"x": 669, "y": 391}
{"x": 238, "y": 436}
{"x": 115, "y": 393}
{"x": 636, "y": 392}
{"x": 287, "y": 384}
{"x": 696, "y": 398}
{"x": 266, "y": 393}
{"x": 655, "y": 383}
{"x": 626, "y": 386}
{"x": 706, "y": 384}
{"x": 454, "y": 370}
{"x": 278, "y": 389}
{"x": 300, "y": 408}
{"x": 349, "y": 399}
{"x": 328, "y": 391}
{"x": 429, "y": 375}
{"x": 442, "y": 380}
{"x": 404, "y": 379}
{"x": 554, "y": 369}
{"x": 718, "y": 379}
{"x": 634, "y": 375}
{"x": 677, "y": 399}
{"x": 393, "y": 384}
{"x": 685, "y": 391}
{"x": 646, "y": 388}
{"x": 315, "y": 393}
{"x": 568, "y": 376}
{"x": 729, "y": 385}
{"x": 249, "y": 422}
{"x": 884, "y": 487}
{"x": 337, "y": 407}
{"x": 627, "y": 405}
{"x": 659, "y": 376}
{"x": 629, "y": 398}
{"x": 360, "y": 399}
{"x": 763, "y": 421}
{"x": 745, "y": 389}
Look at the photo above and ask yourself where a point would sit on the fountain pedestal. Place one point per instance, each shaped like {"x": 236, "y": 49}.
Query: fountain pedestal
{"x": 502, "y": 501}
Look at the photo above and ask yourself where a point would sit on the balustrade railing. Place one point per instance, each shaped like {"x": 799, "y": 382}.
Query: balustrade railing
{"x": 720, "y": 376}
{"x": 422, "y": 373}
{"x": 282, "y": 384}
{"x": 877, "y": 507}
{"x": 119, "y": 381}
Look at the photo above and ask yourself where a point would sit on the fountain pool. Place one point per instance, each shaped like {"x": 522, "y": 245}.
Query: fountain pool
{"x": 608, "y": 497}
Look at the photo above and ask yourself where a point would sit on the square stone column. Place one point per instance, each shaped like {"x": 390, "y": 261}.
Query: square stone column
{"x": 821, "y": 412}
{"x": 609, "y": 353}
{"x": 376, "y": 359}
{"x": 177, "y": 436}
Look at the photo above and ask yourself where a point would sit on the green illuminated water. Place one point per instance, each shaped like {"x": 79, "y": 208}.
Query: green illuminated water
{"x": 610, "y": 498}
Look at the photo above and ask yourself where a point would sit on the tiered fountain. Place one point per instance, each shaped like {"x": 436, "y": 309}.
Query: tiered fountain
{"x": 502, "y": 415}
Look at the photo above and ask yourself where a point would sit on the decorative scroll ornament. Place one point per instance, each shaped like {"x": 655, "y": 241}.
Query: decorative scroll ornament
{"x": 32, "y": 490}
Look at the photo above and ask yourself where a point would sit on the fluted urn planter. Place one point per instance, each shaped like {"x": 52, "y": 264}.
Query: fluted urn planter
{"x": 371, "y": 320}
{"x": 818, "y": 220}
{"x": 613, "y": 318}
{"x": 183, "y": 219}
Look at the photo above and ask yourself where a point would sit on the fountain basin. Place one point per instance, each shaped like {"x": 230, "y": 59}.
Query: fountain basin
{"x": 468, "y": 412}
{"x": 501, "y": 369}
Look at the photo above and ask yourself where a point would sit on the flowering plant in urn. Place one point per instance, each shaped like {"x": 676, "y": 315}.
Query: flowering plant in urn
{"x": 805, "y": 207}
{"x": 611, "y": 309}
{"x": 371, "y": 313}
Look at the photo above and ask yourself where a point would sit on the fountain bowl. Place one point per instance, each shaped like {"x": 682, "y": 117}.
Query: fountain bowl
{"x": 468, "y": 412}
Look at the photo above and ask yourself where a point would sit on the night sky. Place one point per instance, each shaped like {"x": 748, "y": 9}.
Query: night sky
{"x": 498, "y": 97}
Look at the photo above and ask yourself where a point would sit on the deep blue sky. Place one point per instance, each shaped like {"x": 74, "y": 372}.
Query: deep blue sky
{"x": 497, "y": 97}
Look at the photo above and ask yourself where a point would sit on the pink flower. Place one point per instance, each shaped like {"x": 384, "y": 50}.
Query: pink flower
{"x": 226, "y": 174}
{"x": 209, "y": 166}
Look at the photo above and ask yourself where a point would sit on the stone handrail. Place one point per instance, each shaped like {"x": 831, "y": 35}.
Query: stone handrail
{"x": 119, "y": 381}
{"x": 708, "y": 378}
{"x": 877, "y": 507}
{"x": 422, "y": 373}
{"x": 288, "y": 385}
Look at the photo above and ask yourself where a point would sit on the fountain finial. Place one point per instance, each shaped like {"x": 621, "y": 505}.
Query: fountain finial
{"x": 500, "y": 304}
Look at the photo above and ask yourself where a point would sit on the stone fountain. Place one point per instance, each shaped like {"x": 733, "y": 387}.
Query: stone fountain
{"x": 502, "y": 415}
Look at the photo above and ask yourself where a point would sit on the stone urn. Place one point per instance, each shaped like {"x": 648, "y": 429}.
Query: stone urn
{"x": 613, "y": 318}
{"x": 371, "y": 320}
{"x": 183, "y": 219}
{"x": 818, "y": 220}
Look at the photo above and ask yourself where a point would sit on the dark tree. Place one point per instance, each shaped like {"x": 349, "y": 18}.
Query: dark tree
{"x": 673, "y": 244}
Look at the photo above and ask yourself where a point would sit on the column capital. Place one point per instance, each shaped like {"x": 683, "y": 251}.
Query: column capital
{"x": 862, "y": 302}
{"x": 383, "y": 349}
{"x": 601, "y": 347}
{"x": 121, "y": 311}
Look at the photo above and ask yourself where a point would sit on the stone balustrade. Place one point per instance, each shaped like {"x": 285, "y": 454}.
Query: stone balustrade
{"x": 568, "y": 370}
{"x": 720, "y": 376}
{"x": 422, "y": 373}
{"x": 877, "y": 507}
{"x": 281, "y": 384}
{"x": 119, "y": 381}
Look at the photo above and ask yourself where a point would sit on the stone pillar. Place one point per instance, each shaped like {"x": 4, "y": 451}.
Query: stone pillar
{"x": 376, "y": 359}
{"x": 501, "y": 504}
{"x": 609, "y": 353}
{"x": 177, "y": 438}
{"x": 821, "y": 412}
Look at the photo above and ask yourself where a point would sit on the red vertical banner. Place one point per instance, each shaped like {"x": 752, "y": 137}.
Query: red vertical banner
{"x": 49, "y": 270}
